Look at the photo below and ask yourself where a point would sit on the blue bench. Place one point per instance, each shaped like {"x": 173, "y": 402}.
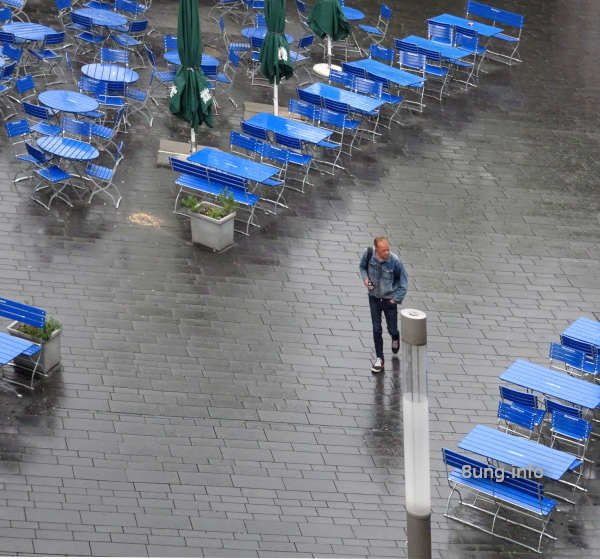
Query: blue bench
{"x": 201, "y": 180}
{"x": 504, "y": 19}
{"x": 12, "y": 347}
{"x": 503, "y": 493}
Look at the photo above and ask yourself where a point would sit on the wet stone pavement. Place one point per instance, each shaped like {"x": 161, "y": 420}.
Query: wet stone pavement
{"x": 222, "y": 405}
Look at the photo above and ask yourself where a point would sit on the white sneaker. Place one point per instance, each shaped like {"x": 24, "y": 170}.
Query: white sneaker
{"x": 377, "y": 366}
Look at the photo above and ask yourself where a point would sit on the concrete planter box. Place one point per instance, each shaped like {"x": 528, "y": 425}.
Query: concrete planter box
{"x": 216, "y": 234}
{"x": 50, "y": 358}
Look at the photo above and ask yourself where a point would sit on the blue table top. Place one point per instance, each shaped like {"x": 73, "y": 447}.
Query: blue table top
{"x": 68, "y": 101}
{"x": 68, "y": 148}
{"x": 289, "y": 127}
{"x": 354, "y": 100}
{"x": 28, "y": 31}
{"x": 448, "y": 52}
{"x": 518, "y": 452}
{"x": 553, "y": 383}
{"x": 399, "y": 77}
{"x": 261, "y": 32}
{"x": 11, "y": 346}
{"x": 172, "y": 56}
{"x": 110, "y": 73}
{"x": 352, "y": 14}
{"x": 456, "y": 21}
{"x": 104, "y": 18}
{"x": 233, "y": 164}
{"x": 585, "y": 331}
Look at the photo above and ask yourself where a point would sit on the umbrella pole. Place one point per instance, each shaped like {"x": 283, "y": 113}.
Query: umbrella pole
{"x": 329, "y": 53}
{"x": 275, "y": 98}
{"x": 192, "y": 139}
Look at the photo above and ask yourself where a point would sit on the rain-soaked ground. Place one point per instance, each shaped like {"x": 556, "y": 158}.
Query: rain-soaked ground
{"x": 222, "y": 405}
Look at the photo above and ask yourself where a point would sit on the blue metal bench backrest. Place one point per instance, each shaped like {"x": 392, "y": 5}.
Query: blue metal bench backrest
{"x": 288, "y": 141}
{"x": 311, "y": 98}
{"x": 495, "y": 14}
{"x": 273, "y": 153}
{"x": 360, "y": 72}
{"x": 401, "y": 45}
{"x": 306, "y": 41}
{"x": 301, "y": 7}
{"x": 7, "y": 71}
{"x": 336, "y": 106}
{"x": 6, "y": 38}
{"x": 368, "y": 87}
{"x": 114, "y": 55}
{"x": 23, "y": 313}
{"x": 516, "y": 415}
{"x": 303, "y": 108}
{"x": 381, "y": 53}
{"x": 326, "y": 116}
{"x": 340, "y": 77}
{"x": 521, "y": 398}
{"x": 84, "y": 21}
{"x": 255, "y": 131}
{"x": 36, "y": 111}
{"x": 552, "y": 406}
{"x": 5, "y": 15}
{"x": 568, "y": 355}
{"x": 36, "y": 153}
{"x": 54, "y": 38}
{"x": 412, "y": 60}
{"x": 239, "y": 140}
{"x": 62, "y": 4}
{"x": 457, "y": 460}
{"x": 466, "y": 39}
{"x": 77, "y": 127}
{"x": 440, "y": 33}
{"x": 385, "y": 11}
{"x": 218, "y": 177}
{"x": 574, "y": 427}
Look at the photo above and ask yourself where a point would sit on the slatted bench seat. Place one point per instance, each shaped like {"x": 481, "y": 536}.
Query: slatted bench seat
{"x": 504, "y": 493}
{"x": 203, "y": 180}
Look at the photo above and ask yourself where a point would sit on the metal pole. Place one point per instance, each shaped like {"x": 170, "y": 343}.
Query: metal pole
{"x": 415, "y": 410}
{"x": 275, "y": 98}
{"x": 329, "y": 53}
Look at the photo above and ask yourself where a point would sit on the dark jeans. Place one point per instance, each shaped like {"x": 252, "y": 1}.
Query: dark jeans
{"x": 391, "y": 318}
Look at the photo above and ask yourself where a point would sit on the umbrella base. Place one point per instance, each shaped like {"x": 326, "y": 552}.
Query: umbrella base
{"x": 322, "y": 69}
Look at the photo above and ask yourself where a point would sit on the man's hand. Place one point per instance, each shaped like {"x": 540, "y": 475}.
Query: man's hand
{"x": 366, "y": 282}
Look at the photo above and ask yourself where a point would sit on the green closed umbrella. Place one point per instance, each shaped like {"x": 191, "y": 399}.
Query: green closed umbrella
{"x": 327, "y": 20}
{"x": 275, "y": 52}
{"x": 190, "y": 97}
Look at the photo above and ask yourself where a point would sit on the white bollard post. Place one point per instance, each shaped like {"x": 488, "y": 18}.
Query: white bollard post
{"x": 415, "y": 412}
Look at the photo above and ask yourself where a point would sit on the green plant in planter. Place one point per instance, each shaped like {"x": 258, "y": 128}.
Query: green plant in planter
{"x": 44, "y": 333}
{"x": 226, "y": 206}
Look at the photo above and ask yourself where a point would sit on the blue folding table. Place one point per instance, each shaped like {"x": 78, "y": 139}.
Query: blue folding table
{"x": 289, "y": 127}
{"x": 103, "y": 18}
{"x": 446, "y": 51}
{"x": 24, "y": 31}
{"x": 455, "y": 21}
{"x": 68, "y": 101}
{"x": 68, "y": 148}
{"x": 553, "y": 383}
{"x": 110, "y": 73}
{"x": 583, "y": 334}
{"x": 233, "y": 164}
{"x": 356, "y": 101}
{"x": 208, "y": 63}
{"x": 401, "y": 78}
{"x": 519, "y": 452}
{"x": 260, "y": 33}
{"x": 352, "y": 14}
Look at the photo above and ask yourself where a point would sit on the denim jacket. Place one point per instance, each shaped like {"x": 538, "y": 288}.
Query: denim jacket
{"x": 388, "y": 277}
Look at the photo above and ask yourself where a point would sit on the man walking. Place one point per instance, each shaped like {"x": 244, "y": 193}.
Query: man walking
{"x": 384, "y": 276}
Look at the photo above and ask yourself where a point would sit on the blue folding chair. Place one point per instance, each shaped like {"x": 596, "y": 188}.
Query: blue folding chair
{"x": 572, "y": 361}
{"x": 52, "y": 177}
{"x": 48, "y": 58}
{"x": 519, "y": 420}
{"x": 572, "y": 430}
{"x": 19, "y": 133}
{"x": 378, "y": 32}
{"x": 103, "y": 178}
{"x": 440, "y": 33}
{"x": 302, "y": 12}
{"x": 43, "y": 117}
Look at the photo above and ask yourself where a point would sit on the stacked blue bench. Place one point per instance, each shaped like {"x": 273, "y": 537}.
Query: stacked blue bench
{"x": 12, "y": 347}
